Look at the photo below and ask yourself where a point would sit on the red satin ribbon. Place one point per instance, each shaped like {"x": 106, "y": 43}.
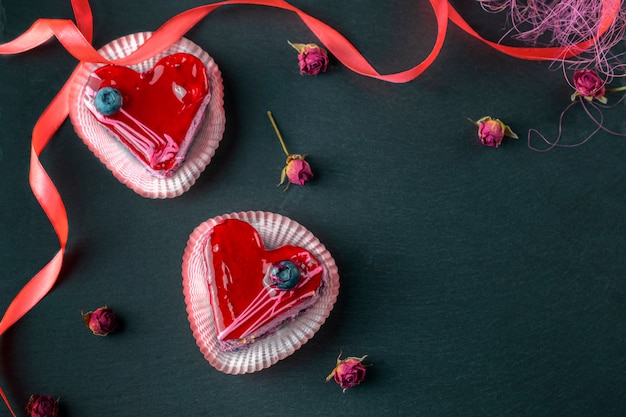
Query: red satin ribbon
{"x": 76, "y": 39}
{"x": 71, "y": 37}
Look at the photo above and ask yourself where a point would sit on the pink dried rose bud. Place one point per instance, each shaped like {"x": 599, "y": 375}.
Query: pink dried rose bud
{"x": 101, "y": 322}
{"x": 349, "y": 372}
{"x": 492, "y": 131}
{"x": 589, "y": 85}
{"x": 42, "y": 406}
{"x": 298, "y": 171}
{"x": 312, "y": 59}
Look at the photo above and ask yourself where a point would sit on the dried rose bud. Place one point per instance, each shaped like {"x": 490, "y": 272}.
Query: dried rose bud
{"x": 589, "y": 85}
{"x": 42, "y": 406}
{"x": 492, "y": 131}
{"x": 298, "y": 171}
{"x": 349, "y": 372}
{"x": 312, "y": 59}
{"x": 101, "y": 322}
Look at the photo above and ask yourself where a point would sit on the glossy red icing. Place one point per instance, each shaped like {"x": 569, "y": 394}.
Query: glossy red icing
{"x": 161, "y": 108}
{"x": 242, "y": 297}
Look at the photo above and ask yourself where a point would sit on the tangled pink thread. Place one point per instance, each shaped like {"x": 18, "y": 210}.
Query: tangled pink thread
{"x": 566, "y": 23}
{"x": 589, "y": 93}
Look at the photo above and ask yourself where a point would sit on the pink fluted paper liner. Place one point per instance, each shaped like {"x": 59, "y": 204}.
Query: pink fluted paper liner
{"x": 275, "y": 230}
{"x": 124, "y": 166}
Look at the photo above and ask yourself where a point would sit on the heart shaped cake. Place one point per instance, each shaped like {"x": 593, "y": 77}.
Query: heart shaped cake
{"x": 155, "y": 114}
{"x": 253, "y": 290}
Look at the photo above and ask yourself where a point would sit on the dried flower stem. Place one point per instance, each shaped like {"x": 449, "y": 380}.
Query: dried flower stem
{"x": 280, "y": 137}
{"x": 613, "y": 90}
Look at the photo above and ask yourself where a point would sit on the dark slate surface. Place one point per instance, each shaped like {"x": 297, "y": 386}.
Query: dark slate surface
{"x": 480, "y": 282}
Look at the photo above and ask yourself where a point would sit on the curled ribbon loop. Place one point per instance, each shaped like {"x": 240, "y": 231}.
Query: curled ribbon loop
{"x": 76, "y": 38}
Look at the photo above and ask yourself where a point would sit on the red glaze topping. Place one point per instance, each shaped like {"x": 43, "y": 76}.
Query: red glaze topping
{"x": 242, "y": 295}
{"x": 159, "y": 107}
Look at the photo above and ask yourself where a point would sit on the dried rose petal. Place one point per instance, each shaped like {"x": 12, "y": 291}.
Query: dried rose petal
{"x": 298, "y": 171}
{"x": 312, "y": 59}
{"x": 349, "y": 372}
{"x": 492, "y": 131}
{"x": 589, "y": 85}
{"x": 42, "y": 406}
{"x": 101, "y": 322}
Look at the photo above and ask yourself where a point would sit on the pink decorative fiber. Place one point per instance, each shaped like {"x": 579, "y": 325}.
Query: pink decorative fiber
{"x": 589, "y": 92}
{"x": 565, "y": 23}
